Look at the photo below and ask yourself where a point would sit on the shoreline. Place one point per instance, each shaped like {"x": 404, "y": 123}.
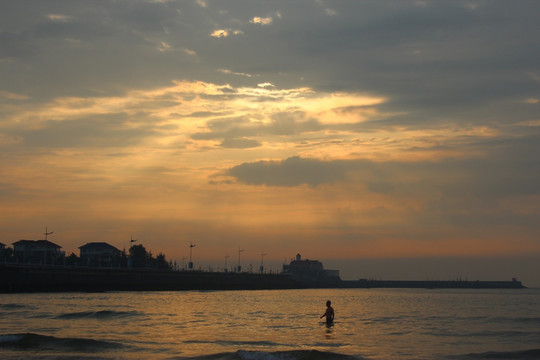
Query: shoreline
{"x": 21, "y": 279}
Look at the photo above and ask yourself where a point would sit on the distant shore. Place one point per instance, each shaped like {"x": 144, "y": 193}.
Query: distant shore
{"x": 17, "y": 278}
{"x": 434, "y": 284}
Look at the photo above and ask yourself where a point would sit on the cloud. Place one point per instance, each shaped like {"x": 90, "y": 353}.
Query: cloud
{"x": 290, "y": 172}
{"x": 412, "y": 56}
{"x": 223, "y": 33}
{"x": 302, "y": 120}
{"x": 261, "y": 21}
{"x": 330, "y": 12}
{"x": 227, "y": 71}
{"x": 11, "y": 96}
{"x": 220, "y": 33}
{"x": 202, "y": 111}
{"x": 389, "y": 126}
{"x": 240, "y": 143}
{"x": 190, "y": 52}
{"x": 104, "y": 131}
{"x": 505, "y": 169}
{"x": 163, "y": 46}
{"x": 60, "y": 18}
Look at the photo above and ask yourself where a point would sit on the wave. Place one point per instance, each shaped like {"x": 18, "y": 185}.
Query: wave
{"x": 533, "y": 354}
{"x": 12, "y": 306}
{"x": 482, "y": 334}
{"x": 103, "y": 314}
{"x": 275, "y": 355}
{"x": 533, "y": 320}
{"x": 234, "y": 343}
{"x": 30, "y": 341}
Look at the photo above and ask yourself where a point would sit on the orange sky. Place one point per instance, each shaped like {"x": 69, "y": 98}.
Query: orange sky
{"x": 332, "y": 130}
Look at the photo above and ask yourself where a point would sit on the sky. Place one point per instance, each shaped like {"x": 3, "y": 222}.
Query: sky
{"x": 388, "y": 139}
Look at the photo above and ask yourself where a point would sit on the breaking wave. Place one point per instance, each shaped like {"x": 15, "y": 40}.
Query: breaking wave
{"x": 275, "y": 355}
{"x": 533, "y": 354}
{"x": 103, "y": 314}
{"x": 11, "y": 306}
{"x": 30, "y": 341}
{"x": 234, "y": 343}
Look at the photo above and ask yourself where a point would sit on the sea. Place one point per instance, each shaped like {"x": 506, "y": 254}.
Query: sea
{"x": 272, "y": 325}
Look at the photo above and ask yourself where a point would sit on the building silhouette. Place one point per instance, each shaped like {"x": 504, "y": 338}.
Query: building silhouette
{"x": 310, "y": 271}
{"x": 37, "y": 252}
{"x": 99, "y": 254}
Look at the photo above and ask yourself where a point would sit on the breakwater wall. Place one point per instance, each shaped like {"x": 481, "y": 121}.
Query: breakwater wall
{"x": 15, "y": 279}
{"x": 51, "y": 279}
{"x": 433, "y": 284}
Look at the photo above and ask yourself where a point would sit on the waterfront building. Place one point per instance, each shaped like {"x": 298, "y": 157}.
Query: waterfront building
{"x": 99, "y": 254}
{"x": 37, "y": 252}
{"x": 310, "y": 271}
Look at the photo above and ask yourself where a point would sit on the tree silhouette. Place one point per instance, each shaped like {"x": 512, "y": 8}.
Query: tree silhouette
{"x": 161, "y": 262}
{"x": 72, "y": 260}
{"x": 138, "y": 256}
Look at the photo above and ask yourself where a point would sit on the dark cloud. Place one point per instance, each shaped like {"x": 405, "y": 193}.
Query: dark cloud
{"x": 99, "y": 131}
{"x": 290, "y": 172}
{"x": 240, "y": 143}
{"x": 12, "y": 45}
{"x": 506, "y": 169}
{"x": 485, "y": 196}
{"x": 431, "y": 59}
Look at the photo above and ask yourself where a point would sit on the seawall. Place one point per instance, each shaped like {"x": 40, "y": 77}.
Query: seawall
{"x": 15, "y": 279}
{"x": 50, "y": 279}
{"x": 433, "y": 284}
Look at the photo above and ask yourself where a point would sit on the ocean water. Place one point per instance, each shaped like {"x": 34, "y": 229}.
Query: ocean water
{"x": 273, "y": 324}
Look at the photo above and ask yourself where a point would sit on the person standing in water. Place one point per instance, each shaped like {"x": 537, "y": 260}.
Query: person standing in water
{"x": 329, "y": 313}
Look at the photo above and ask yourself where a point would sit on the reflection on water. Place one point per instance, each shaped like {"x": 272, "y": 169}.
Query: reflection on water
{"x": 373, "y": 324}
{"x": 329, "y": 331}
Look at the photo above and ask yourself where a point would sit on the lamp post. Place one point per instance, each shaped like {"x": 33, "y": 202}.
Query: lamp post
{"x": 239, "y": 266}
{"x": 262, "y": 258}
{"x": 190, "y": 265}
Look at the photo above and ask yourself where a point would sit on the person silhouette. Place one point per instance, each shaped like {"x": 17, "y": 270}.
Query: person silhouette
{"x": 329, "y": 313}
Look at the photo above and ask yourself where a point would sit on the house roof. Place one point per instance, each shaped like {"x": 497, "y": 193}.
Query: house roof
{"x": 98, "y": 246}
{"x": 46, "y": 243}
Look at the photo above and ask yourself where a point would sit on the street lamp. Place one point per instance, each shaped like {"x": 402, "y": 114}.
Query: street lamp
{"x": 190, "y": 265}
{"x": 239, "y": 266}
